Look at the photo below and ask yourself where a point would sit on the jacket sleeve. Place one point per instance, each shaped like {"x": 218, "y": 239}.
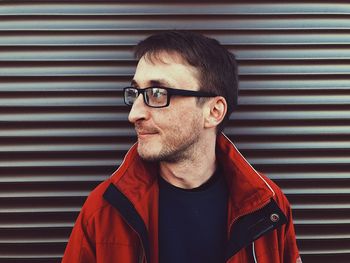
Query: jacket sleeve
{"x": 80, "y": 247}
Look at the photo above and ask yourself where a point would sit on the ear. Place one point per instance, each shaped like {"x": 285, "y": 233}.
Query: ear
{"x": 215, "y": 112}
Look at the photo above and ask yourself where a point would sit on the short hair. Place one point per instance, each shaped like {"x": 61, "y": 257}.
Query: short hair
{"x": 217, "y": 66}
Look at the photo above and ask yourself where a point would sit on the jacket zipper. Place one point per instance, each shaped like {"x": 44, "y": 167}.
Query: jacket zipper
{"x": 142, "y": 252}
{"x": 142, "y": 258}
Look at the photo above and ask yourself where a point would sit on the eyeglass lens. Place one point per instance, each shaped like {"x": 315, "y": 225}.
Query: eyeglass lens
{"x": 154, "y": 97}
{"x": 130, "y": 96}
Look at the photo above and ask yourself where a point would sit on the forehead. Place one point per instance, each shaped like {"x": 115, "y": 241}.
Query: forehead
{"x": 164, "y": 57}
{"x": 170, "y": 67}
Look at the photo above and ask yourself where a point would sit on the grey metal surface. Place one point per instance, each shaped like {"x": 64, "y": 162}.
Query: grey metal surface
{"x": 64, "y": 127}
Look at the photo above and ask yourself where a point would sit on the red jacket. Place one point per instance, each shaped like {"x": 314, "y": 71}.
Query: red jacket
{"x": 119, "y": 221}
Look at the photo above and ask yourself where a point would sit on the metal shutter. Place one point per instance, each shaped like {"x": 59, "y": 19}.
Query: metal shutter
{"x": 64, "y": 127}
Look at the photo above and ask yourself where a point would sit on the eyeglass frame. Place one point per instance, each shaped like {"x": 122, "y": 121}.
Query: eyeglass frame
{"x": 170, "y": 92}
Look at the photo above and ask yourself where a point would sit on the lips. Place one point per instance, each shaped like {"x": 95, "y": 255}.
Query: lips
{"x": 145, "y": 132}
{"x": 145, "y": 136}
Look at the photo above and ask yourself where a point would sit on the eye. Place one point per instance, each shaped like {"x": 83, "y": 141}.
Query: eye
{"x": 132, "y": 91}
{"x": 158, "y": 92}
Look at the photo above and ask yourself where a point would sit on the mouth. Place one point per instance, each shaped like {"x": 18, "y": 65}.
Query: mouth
{"x": 145, "y": 134}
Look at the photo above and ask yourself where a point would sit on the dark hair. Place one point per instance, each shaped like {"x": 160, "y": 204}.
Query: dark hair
{"x": 217, "y": 67}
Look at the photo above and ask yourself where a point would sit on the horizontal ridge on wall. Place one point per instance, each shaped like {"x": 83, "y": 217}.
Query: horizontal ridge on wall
{"x": 64, "y": 126}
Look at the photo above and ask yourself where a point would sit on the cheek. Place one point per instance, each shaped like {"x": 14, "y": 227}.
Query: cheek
{"x": 166, "y": 120}
{"x": 184, "y": 122}
{"x": 170, "y": 121}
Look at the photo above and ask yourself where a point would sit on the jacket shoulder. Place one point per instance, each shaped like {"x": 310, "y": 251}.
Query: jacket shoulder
{"x": 95, "y": 201}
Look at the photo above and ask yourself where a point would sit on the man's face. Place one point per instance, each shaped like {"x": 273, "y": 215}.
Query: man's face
{"x": 167, "y": 134}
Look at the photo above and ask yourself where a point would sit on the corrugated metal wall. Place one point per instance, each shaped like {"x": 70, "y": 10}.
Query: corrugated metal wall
{"x": 63, "y": 125}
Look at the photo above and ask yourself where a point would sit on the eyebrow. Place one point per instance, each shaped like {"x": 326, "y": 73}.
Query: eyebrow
{"x": 153, "y": 82}
{"x": 134, "y": 83}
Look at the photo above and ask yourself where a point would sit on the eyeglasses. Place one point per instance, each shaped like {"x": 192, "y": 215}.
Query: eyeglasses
{"x": 159, "y": 97}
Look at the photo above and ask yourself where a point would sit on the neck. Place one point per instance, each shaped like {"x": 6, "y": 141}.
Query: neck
{"x": 191, "y": 172}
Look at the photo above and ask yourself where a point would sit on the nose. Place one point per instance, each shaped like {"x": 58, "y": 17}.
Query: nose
{"x": 139, "y": 110}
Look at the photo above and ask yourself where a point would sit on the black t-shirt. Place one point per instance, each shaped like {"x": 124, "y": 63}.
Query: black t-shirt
{"x": 193, "y": 223}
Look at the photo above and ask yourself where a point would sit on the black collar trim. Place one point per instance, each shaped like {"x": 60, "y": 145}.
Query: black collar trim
{"x": 120, "y": 202}
{"x": 250, "y": 227}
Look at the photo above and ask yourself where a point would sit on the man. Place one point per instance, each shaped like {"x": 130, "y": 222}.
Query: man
{"x": 183, "y": 193}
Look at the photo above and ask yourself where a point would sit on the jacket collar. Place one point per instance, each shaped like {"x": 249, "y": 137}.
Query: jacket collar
{"x": 249, "y": 191}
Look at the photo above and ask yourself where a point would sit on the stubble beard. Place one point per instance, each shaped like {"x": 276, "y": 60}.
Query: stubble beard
{"x": 177, "y": 147}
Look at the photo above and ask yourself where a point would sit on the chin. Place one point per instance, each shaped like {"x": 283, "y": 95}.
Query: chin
{"x": 149, "y": 157}
{"x": 147, "y": 153}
